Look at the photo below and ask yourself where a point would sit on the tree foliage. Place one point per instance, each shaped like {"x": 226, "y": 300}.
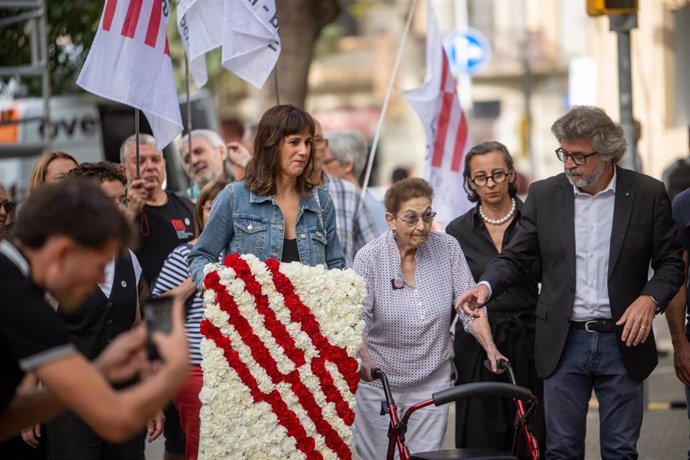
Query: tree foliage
{"x": 71, "y": 28}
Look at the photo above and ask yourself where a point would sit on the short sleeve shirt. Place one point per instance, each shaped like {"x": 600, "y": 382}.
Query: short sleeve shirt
{"x": 31, "y": 332}
{"x": 681, "y": 214}
{"x": 162, "y": 229}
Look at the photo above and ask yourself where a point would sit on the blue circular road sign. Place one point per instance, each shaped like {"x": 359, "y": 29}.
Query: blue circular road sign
{"x": 468, "y": 51}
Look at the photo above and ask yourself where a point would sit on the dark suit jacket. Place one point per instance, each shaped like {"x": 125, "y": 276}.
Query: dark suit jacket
{"x": 643, "y": 232}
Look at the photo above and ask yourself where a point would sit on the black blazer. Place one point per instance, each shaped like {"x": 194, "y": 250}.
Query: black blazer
{"x": 643, "y": 232}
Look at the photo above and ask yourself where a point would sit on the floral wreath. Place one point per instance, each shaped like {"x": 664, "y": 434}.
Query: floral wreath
{"x": 279, "y": 364}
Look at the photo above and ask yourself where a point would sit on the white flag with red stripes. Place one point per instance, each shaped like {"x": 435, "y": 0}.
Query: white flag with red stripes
{"x": 251, "y": 44}
{"x": 129, "y": 62}
{"x": 200, "y": 23}
{"x": 436, "y": 102}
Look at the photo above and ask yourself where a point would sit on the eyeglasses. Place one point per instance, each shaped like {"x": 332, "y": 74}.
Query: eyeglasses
{"x": 8, "y": 205}
{"x": 124, "y": 202}
{"x": 411, "y": 219}
{"x": 578, "y": 158}
{"x": 328, "y": 161}
{"x": 497, "y": 176}
{"x": 320, "y": 141}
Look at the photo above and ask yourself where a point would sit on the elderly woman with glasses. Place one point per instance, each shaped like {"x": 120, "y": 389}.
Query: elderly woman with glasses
{"x": 413, "y": 277}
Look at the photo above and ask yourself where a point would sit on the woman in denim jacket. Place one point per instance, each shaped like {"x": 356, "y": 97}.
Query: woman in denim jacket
{"x": 275, "y": 211}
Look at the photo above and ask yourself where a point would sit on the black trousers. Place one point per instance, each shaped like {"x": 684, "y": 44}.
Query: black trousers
{"x": 488, "y": 421}
{"x": 72, "y": 439}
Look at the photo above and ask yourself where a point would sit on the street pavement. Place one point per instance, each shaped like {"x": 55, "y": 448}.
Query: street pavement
{"x": 665, "y": 427}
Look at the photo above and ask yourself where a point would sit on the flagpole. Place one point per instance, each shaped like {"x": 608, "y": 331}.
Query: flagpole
{"x": 386, "y": 99}
{"x": 136, "y": 137}
{"x": 189, "y": 107}
{"x": 275, "y": 82}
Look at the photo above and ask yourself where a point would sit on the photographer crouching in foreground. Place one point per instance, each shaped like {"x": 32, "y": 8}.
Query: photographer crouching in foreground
{"x": 64, "y": 236}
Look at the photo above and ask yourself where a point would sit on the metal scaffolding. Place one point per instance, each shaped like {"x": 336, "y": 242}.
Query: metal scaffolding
{"x": 33, "y": 13}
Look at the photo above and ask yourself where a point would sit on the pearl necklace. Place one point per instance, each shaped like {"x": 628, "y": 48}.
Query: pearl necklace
{"x": 500, "y": 221}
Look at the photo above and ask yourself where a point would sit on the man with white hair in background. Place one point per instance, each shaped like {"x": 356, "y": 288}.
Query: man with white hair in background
{"x": 345, "y": 159}
{"x": 210, "y": 159}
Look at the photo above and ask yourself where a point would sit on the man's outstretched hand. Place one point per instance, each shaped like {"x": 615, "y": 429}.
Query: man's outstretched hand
{"x": 471, "y": 300}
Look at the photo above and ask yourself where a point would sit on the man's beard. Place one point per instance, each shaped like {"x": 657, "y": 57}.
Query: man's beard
{"x": 586, "y": 180}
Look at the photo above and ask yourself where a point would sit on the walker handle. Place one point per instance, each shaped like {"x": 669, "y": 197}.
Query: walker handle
{"x": 502, "y": 364}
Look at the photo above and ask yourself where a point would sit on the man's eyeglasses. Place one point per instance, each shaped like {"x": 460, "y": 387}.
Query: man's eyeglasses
{"x": 320, "y": 141}
{"x": 8, "y": 205}
{"x": 578, "y": 158}
{"x": 124, "y": 202}
{"x": 411, "y": 219}
{"x": 497, "y": 176}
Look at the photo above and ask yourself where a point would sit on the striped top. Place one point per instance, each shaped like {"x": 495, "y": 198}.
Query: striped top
{"x": 175, "y": 270}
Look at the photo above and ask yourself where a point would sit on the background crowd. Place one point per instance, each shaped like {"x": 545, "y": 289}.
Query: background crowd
{"x": 558, "y": 285}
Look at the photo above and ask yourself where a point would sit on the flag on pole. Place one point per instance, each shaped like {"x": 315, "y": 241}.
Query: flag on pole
{"x": 251, "y": 44}
{"x": 200, "y": 24}
{"x": 436, "y": 102}
{"x": 129, "y": 62}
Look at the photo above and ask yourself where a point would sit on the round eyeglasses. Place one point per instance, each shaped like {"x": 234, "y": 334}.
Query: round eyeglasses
{"x": 497, "y": 176}
{"x": 578, "y": 158}
{"x": 8, "y": 205}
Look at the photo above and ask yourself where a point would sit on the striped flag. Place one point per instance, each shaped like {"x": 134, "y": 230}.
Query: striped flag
{"x": 436, "y": 102}
{"x": 129, "y": 62}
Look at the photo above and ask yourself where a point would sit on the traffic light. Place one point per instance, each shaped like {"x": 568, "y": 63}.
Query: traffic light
{"x": 611, "y": 7}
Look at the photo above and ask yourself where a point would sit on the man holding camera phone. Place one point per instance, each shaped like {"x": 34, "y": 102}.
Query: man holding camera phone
{"x": 64, "y": 236}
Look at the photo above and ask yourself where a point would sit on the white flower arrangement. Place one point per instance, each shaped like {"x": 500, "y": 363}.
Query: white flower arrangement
{"x": 280, "y": 363}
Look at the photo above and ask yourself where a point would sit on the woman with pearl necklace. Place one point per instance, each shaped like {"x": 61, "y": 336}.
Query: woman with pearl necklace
{"x": 490, "y": 181}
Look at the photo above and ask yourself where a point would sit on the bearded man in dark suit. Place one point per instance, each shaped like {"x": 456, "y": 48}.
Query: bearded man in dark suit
{"x": 595, "y": 228}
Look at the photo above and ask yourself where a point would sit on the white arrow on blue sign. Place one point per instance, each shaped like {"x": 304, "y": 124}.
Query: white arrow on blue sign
{"x": 468, "y": 51}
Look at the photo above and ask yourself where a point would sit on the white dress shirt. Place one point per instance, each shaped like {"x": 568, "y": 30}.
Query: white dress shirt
{"x": 593, "y": 222}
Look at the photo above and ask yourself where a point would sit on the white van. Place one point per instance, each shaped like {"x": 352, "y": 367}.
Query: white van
{"x": 85, "y": 126}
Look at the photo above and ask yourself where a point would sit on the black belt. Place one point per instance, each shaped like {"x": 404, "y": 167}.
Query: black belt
{"x": 594, "y": 325}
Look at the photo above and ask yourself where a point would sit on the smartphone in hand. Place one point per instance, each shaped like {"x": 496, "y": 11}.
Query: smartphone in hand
{"x": 158, "y": 316}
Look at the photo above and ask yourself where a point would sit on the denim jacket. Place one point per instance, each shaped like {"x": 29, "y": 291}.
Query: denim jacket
{"x": 245, "y": 223}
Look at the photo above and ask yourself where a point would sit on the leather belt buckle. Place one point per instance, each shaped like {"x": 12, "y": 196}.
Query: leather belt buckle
{"x": 592, "y": 322}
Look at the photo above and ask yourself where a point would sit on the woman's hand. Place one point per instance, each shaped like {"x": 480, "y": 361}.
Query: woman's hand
{"x": 493, "y": 355}
{"x": 365, "y": 373}
{"x": 184, "y": 290}
{"x": 32, "y": 435}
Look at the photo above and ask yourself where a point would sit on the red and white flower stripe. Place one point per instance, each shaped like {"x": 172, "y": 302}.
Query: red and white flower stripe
{"x": 283, "y": 339}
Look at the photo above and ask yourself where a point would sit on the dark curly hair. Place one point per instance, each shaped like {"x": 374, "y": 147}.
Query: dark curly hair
{"x": 482, "y": 149}
{"x": 103, "y": 171}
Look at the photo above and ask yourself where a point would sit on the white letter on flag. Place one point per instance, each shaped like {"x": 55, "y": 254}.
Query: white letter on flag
{"x": 200, "y": 24}
{"x": 251, "y": 44}
{"x": 436, "y": 103}
{"x": 129, "y": 62}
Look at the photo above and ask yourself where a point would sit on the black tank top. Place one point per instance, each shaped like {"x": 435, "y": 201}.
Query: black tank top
{"x": 290, "y": 251}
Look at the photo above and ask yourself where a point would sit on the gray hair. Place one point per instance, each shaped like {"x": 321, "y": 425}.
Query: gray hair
{"x": 212, "y": 137}
{"x": 349, "y": 146}
{"x": 144, "y": 139}
{"x": 593, "y": 124}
